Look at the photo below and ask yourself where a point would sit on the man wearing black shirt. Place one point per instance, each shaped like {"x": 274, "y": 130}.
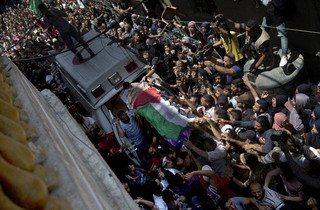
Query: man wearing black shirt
{"x": 257, "y": 44}
{"x": 54, "y": 17}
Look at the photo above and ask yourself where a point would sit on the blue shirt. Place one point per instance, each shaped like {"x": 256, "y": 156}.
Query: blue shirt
{"x": 239, "y": 74}
{"x": 238, "y": 202}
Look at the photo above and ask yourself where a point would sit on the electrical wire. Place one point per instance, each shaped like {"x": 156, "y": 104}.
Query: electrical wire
{"x": 293, "y": 29}
{"x": 273, "y": 27}
{"x": 126, "y": 15}
{"x": 86, "y": 42}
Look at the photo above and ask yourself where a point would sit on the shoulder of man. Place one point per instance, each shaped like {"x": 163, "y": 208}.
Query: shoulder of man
{"x": 236, "y": 67}
{"x": 54, "y": 10}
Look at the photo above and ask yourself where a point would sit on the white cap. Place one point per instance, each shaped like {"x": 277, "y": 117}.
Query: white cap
{"x": 206, "y": 168}
{"x": 226, "y": 128}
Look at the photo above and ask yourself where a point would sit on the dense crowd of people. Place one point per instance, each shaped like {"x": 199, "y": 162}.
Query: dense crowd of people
{"x": 245, "y": 151}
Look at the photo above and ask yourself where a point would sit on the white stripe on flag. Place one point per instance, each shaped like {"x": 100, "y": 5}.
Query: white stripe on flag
{"x": 170, "y": 113}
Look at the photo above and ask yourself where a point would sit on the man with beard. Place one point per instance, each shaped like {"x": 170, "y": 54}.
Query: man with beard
{"x": 265, "y": 196}
{"x": 228, "y": 67}
{"x": 128, "y": 126}
{"x": 260, "y": 108}
{"x": 257, "y": 44}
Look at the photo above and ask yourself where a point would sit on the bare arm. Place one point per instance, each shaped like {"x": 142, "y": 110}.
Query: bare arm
{"x": 237, "y": 142}
{"x": 226, "y": 137}
{"x": 239, "y": 183}
{"x": 252, "y": 146}
{"x": 209, "y": 173}
{"x": 251, "y": 88}
{"x": 215, "y": 132}
{"x": 148, "y": 74}
{"x": 225, "y": 70}
{"x": 293, "y": 198}
{"x": 232, "y": 24}
{"x": 196, "y": 161}
{"x": 219, "y": 43}
{"x": 220, "y": 68}
{"x": 145, "y": 202}
{"x": 120, "y": 130}
{"x": 261, "y": 59}
{"x": 200, "y": 152}
{"x": 269, "y": 175}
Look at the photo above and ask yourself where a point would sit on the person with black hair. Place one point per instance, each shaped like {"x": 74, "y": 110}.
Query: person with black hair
{"x": 257, "y": 170}
{"x": 264, "y": 196}
{"x": 200, "y": 198}
{"x": 214, "y": 151}
{"x": 207, "y": 106}
{"x": 229, "y": 40}
{"x": 263, "y": 131}
{"x": 137, "y": 42}
{"x": 260, "y": 108}
{"x": 257, "y": 44}
{"x": 237, "y": 87}
{"x": 54, "y": 17}
{"x": 127, "y": 125}
{"x": 292, "y": 185}
{"x": 235, "y": 115}
{"x": 229, "y": 67}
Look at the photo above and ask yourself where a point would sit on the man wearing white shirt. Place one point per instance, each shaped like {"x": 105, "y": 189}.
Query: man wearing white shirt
{"x": 207, "y": 106}
{"x": 215, "y": 152}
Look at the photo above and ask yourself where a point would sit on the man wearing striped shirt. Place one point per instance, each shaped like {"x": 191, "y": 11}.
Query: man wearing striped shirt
{"x": 265, "y": 196}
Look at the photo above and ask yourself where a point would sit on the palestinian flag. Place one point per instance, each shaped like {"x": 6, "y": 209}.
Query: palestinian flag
{"x": 162, "y": 116}
{"x": 34, "y": 6}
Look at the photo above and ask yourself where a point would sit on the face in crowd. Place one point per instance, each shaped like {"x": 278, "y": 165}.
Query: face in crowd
{"x": 257, "y": 191}
{"x": 125, "y": 118}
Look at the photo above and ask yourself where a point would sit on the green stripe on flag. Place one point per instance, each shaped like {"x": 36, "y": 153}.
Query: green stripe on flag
{"x": 34, "y": 6}
{"x": 162, "y": 125}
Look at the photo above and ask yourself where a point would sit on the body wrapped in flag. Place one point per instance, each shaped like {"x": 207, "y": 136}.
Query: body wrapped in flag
{"x": 164, "y": 117}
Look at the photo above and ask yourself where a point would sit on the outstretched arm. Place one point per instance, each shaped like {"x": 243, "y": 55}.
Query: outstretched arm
{"x": 200, "y": 152}
{"x": 215, "y": 132}
{"x": 251, "y": 88}
{"x": 231, "y": 23}
{"x": 269, "y": 175}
